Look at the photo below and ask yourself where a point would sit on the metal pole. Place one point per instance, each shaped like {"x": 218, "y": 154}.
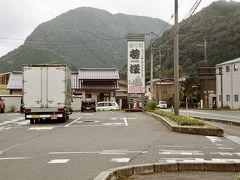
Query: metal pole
{"x": 151, "y": 76}
{"x": 160, "y": 69}
{"x": 176, "y": 62}
{"x": 205, "y": 52}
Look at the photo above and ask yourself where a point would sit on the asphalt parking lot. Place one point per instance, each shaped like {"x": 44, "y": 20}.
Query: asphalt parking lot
{"x": 92, "y": 142}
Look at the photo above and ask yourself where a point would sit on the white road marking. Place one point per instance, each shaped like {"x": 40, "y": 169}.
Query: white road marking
{"x": 21, "y": 123}
{"x": 222, "y": 153}
{"x": 14, "y": 158}
{"x": 120, "y": 160}
{"x": 103, "y": 152}
{"x": 235, "y": 139}
{"x": 180, "y": 152}
{"x": 214, "y": 139}
{"x": 58, "y": 161}
{"x": 12, "y": 121}
{"x": 11, "y": 147}
{"x": 40, "y": 128}
{"x": 125, "y": 121}
{"x": 225, "y": 148}
{"x": 93, "y": 152}
{"x": 112, "y": 124}
{"x": 197, "y": 160}
{"x": 73, "y": 122}
{"x": 226, "y": 153}
{"x": 126, "y": 151}
{"x": 227, "y": 116}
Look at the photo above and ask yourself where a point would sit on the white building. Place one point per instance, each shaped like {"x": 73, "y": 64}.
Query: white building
{"x": 227, "y": 84}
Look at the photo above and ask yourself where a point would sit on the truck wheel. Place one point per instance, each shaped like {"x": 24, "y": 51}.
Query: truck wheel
{"x": 31, "y": 121}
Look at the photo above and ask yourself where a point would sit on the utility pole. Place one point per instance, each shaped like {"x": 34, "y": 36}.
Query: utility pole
{"x": 205, "y": 52}
{"x": 151, "y": 71}
{"x": 176, "y": 61}
{"x": 160, "y": 73}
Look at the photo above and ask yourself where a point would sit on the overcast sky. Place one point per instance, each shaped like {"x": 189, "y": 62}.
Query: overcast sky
{"x": 18, "y": 18}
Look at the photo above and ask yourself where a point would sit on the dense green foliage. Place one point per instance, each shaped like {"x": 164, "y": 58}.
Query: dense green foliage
{"x": 83, "y": 37}
{"x": 219, "y": 24}
{"x": 150, "y": 105}
{"x": 181, "y": 120}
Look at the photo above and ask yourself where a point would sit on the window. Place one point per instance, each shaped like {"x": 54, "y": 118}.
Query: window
{"x": 235, "y": 67}
{"x": 228, "y": 98}
{"x": 236, "y": 98}
{"x": 220, "y": 98}
{"x": 227, "y": 69}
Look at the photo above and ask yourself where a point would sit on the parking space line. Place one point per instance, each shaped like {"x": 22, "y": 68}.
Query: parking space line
{"x": 14, "y": 158}
{"x": 2, "y": 151}
{"x": 125, "y": 121}
{"x": 73, "y": 122}
{"x": 58, "y": 161}
{"x": 120, "y": 160}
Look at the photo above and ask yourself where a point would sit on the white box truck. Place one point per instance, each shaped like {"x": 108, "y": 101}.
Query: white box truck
{"x": 47, "y": 92}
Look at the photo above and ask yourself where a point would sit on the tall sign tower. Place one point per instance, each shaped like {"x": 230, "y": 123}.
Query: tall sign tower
{"x": 136, "y": 67}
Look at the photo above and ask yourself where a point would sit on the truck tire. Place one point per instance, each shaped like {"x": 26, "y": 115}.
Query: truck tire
{"x": 31, "y": 121}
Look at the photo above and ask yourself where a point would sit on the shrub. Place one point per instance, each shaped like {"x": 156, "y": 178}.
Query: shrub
{"x": 226, "y": 107}
{"x": 181, "y": 120}
{"x": 13, "y": 108}
{"x": 150, "y": 105}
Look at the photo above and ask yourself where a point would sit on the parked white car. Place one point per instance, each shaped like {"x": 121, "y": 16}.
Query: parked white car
{"x": 107, "y": 106}
{"x": 162, "y": 105}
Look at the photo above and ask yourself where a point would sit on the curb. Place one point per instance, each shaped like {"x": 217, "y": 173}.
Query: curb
{"x": 186, "y": 129}
{"x": 127, "y": 171}
{"x": 220, "y": 120}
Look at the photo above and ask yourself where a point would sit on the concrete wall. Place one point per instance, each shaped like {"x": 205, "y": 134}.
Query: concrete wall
{"x": 76, "y": 104}
{"x": 12, "y": 102}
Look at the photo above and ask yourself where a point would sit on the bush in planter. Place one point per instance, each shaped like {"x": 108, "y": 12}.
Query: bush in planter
{"x": 181, "y": 120}
{"x": 150, "y": 105}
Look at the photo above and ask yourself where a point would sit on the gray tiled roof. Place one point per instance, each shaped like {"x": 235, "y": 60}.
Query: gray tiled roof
{"x": 98, "y": 73}
{"x": 99, "y": 85}
{"x": 15, "y": 80}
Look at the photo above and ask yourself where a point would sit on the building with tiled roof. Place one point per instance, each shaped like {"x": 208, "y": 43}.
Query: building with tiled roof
{"x": 97, "y": 83}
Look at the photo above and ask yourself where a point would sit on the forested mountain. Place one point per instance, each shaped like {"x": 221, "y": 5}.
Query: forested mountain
{"x": 83, "y": 37}
{"x": 219, "y": 24}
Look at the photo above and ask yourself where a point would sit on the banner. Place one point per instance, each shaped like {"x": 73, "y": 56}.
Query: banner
{"x": 136, "y": 67}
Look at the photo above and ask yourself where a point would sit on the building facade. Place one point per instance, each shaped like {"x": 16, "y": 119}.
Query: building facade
{"x": 96, "y": 83}
{"x": 207, "y": 77}
{"x": 227, "y": 84}
{"x": 162, "y": 89}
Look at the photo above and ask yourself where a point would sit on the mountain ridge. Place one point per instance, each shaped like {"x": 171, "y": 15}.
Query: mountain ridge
{"x": 82, "y": 37}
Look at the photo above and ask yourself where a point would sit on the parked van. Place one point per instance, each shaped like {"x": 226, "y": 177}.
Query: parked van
{"x": 107, "y": 106}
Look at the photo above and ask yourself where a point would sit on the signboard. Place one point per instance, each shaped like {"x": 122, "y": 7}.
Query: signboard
{"x": 136, "y": 67}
